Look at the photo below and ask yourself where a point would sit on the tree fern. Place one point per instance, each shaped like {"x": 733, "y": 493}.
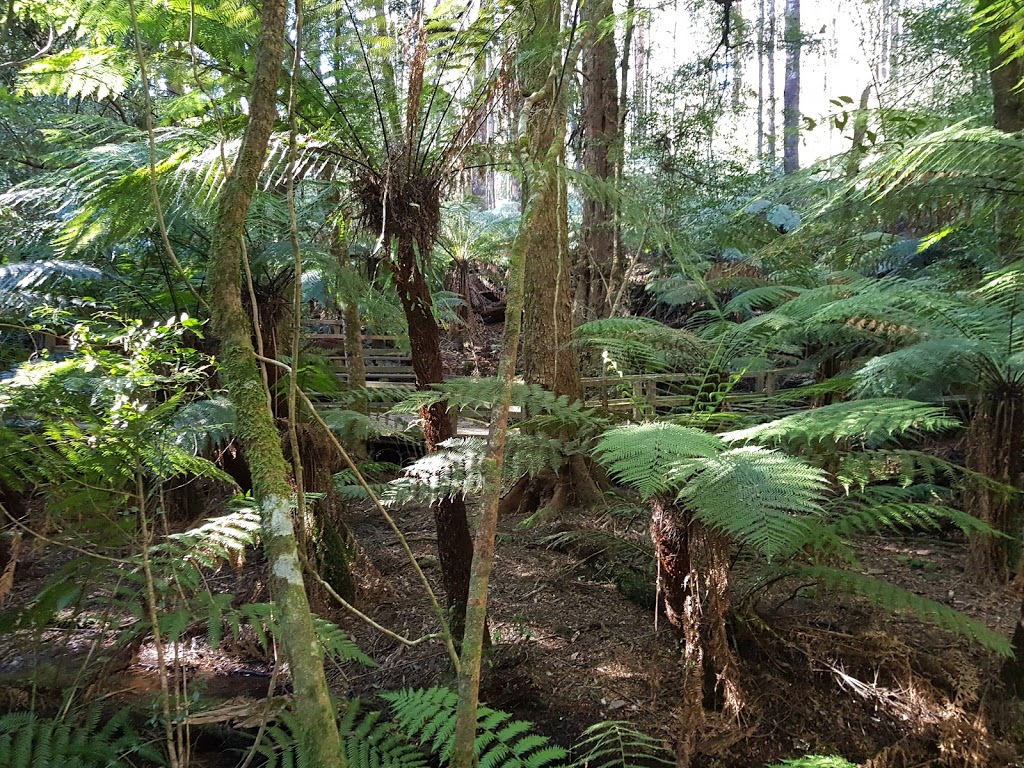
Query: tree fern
{"x": 758, "y": 497}
{"x": 457, "y": 468}
{"x": 641, "y": 456}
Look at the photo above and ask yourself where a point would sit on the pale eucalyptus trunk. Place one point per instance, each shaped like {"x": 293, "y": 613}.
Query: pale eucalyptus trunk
{"x": 256, "y": 429}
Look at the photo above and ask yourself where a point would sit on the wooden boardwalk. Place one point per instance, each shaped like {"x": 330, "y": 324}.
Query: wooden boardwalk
{"x": 389, "y": 368}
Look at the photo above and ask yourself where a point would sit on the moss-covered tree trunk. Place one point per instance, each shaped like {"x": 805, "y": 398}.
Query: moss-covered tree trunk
{"x": 454, "y": 543}
{"x": 256, "y": 428}
{"x": 548, "y": 356}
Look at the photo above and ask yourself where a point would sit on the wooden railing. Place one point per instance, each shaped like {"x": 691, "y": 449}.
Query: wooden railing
{"x": 388, "y": 366}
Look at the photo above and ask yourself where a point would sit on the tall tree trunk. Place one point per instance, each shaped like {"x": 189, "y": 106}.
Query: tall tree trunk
{"x": 600, "y": 270}
{"x": 454, "y": 543}
{"x": 548, "y": 357}
{"x": 994, "y": 449}
{"x": 256, "y": 428}
{"x": 760, "y": 79}
{"x": 773, "y": 101}
{"x": 791, "y": 94}
{"x": 463, "y": 753}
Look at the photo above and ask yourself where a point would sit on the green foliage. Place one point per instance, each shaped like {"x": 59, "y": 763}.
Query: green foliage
{"x": 893, "y": 598}
{"x": 641, "y": 455}
{"x": 97, "y": 73}
{"x": 428, "y": 717}
{"x": 638, "y": 345}
{"x": 869, "y": 423}
{"x": 815, "y": 761}
{"x": 541, "y": 409}
{"x": 617, "y": 744}
{"x": 457, "y": 468}
{"x": 96, "y": 740}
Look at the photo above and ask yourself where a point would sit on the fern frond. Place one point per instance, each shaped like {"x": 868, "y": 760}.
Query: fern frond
{"x": 869, "y": 422}
{"x": 30, "y": 741}
{"x": 641, "y": 456}
{"x": 428, "y": 716}
{"x": 640, "y": 345}
{"x": 617, "y": 744}
{"x": 758, "y": 497}
{"x": 894, "y": 598}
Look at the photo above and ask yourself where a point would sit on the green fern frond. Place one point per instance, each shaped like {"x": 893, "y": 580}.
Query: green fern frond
{"x": 758, "y": 497}
{"x": 885, "y": 509}
{"x": 638, "y": 345}
{"x": 617, "y": 744}
{"x": 30, "y": 741}
{"x": 204, "y": 424}
{"x": 869, "y": 422}
{"x": 894, "y": 598}
{"x": 97, "y": 73}
{"x": 337, "y": 644}
{"x": 428, "y": 717}
{"x": 641, "y": 456}
{"x": 370, "y": 742}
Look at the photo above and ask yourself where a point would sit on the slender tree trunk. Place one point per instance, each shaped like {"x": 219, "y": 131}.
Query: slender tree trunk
{"x": 737, "y": 57}
{"x": 760, "y": 79}
{"x": 600, "y": 271}
{"x": 791, "y": 95}
{"x": 463, "y": 754}
{"x": 454, "y": 543}
{"x": 860, "y": 129}
{"x": 256, "y": 427}
{"x": 773, "y": 102}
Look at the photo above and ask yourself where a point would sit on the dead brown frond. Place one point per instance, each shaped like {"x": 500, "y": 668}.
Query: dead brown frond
{"x": 401, "y": 201}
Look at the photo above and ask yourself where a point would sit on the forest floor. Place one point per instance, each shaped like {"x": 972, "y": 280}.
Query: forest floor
{"x": 576, "y": 641}
{"x": 822, "y": 674}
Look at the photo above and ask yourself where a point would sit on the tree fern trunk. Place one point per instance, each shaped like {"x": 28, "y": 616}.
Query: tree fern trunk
{"x": 256, "y": 429}
{"x": 693, "y": 570}
{"x": 994, "y": 442}
{"x": 454, "y": 543}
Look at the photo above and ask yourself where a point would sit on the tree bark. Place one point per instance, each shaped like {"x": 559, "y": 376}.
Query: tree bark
{"x": 548, "y": 356}
{"x": 773, "y": 102}
{"x": 693, "y": 580}
{"x": 600, "y": 268}
{"x": 791, "y": 94}
{"x": 463, "y": 753}
{"x": 994, "y": 450}
{"x": 454, "y": 543}
{"x": 760, "y": 79}
{"x": 256, "y": 428}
